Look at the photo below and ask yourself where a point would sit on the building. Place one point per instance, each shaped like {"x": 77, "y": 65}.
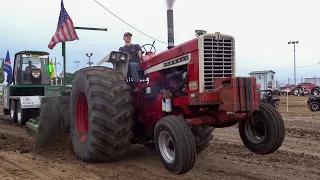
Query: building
{"x": 313, "y": 80}
{"x": 265, "y": 79}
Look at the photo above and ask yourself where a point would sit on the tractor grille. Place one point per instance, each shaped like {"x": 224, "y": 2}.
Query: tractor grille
{"x": 218, "y": 59}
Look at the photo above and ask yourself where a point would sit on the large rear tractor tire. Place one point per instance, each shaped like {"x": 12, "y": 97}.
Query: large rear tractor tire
{"x": 100, "y": 115}
{"x": 175, "y": 144}
{"x": 267, "y": 132}
{"x": 202, "y": 137}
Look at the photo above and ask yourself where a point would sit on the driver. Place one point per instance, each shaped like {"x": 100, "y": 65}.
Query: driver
{"x": 134, "y": 56}
{"x": 29, "y": 68}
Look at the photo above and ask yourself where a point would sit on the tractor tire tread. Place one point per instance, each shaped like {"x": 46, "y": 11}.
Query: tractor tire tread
{"x": 111, "y": 114}
{"x": 276, "y": 138}
{"x": 279, "y": 125}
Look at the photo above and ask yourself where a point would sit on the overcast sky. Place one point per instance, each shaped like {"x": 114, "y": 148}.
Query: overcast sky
{"x": 261, "y": 29}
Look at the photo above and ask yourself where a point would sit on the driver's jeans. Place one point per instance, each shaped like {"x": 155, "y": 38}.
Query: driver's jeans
{"x": 134, "y": 69}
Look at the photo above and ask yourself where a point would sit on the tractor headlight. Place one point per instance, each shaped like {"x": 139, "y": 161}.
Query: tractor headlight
{"x": 35, "y": 73}
{"x": 122, "y": 57}
{"x": 113, "y": 56}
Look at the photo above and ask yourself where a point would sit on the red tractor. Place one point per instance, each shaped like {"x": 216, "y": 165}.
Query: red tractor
{"x": 185, "y": 93}
{"x": 304, "y": 89}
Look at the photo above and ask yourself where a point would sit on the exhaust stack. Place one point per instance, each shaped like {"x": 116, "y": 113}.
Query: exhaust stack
{"x": 170, "y": 28}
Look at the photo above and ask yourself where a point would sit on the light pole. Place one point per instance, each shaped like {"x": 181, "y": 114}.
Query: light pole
{"x": 89, "y": 56}
{"x": 294, "y": 58}
{"x": 77, "y": 62}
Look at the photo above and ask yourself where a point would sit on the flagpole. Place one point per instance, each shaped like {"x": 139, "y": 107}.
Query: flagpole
{"x": 2, "y": 64}
{"x": 55, "y": 65}
{"x": 64, "y": 65}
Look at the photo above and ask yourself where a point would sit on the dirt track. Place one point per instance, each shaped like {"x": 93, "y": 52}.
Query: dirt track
{"x": 225, "y": 158}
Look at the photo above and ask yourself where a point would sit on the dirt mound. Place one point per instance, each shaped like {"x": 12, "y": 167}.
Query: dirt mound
{"x": 13, "y": 143}
{"x": 59, "y": 148}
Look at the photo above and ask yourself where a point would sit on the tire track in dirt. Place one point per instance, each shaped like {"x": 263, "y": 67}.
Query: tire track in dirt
{"x": 16, "y": 131}
{"x": 291, "y": 143}
{"x": 10, "y": 172}
{"x": 296, "y": 157}
{"x": 140, "y": 163}
{"x": 42, "y": 168}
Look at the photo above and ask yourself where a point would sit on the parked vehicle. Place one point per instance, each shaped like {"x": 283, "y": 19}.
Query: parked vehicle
{"x": 315, "y": 90}
{"x": 303, "y": 89}
{"x": 314, "y": 103}
{"x": 271, "y": 97}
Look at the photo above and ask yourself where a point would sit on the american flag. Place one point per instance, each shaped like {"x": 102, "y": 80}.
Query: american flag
{"x": 7, "y": 68}
{"x": 65, "y": 30}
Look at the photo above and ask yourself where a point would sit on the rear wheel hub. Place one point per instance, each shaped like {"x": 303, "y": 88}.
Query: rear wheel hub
{"x": 82, "y": 116}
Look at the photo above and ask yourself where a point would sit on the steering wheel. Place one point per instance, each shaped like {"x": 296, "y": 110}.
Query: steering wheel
{"x": 144, "y": 52}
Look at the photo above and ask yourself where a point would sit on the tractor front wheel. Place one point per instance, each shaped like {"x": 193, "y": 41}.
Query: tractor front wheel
{"x": 266, "y": 134}
{"x": 175, "y": 144}
{"x": 202, "y": 137}
{"x": 100, "y": 115}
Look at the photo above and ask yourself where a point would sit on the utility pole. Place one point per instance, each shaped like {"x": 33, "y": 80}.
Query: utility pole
{"x": 294, "y": 58}
{"x": 77, "y": 62}
{"x": 56, "y": 70}
{"x": 89, "y": 56}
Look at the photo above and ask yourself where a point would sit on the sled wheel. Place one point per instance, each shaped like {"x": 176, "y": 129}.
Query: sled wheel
{"x": 202, "y": 137}
{"x": 314, "y": 106}
{"x": 267, "y": 132}
{"x": 100, "y": 115}
{"x": 175, "y": 144}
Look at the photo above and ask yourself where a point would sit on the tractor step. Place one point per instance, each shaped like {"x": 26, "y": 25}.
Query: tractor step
{"x": 32, "y": 124}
